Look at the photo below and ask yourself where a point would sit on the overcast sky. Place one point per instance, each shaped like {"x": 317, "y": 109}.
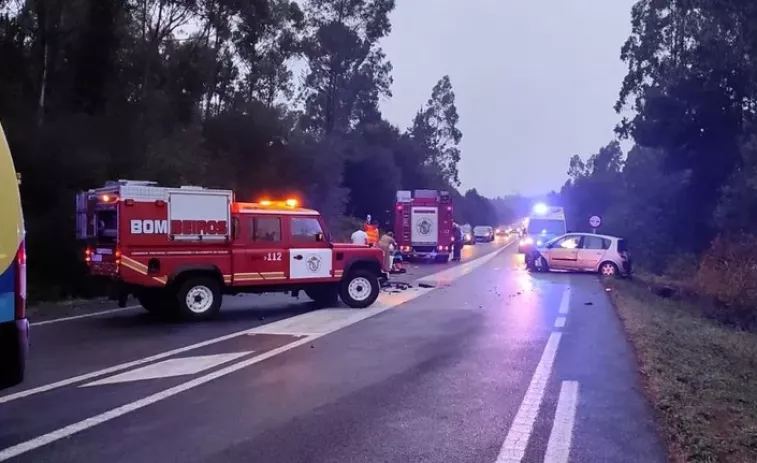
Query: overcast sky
{"x": 535, "y": 81}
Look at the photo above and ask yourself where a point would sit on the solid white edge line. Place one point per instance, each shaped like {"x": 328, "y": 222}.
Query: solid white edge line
{"x": 514, "y": 448}
{"x": 561, "y": 436}
{"x": 123, "y": 366}
{"x": 80, "y": 426}
{"x": 86, "y": 315}
{"x": 560, "y": 322}
{"x": 565, "y": 302}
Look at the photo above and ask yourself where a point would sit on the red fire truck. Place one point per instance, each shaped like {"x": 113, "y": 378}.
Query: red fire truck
{"x": 179, "y": 250}
{"x": 423, "y": 224}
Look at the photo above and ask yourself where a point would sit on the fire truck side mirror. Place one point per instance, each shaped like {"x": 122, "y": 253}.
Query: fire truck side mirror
{"x": 320, "y": 237}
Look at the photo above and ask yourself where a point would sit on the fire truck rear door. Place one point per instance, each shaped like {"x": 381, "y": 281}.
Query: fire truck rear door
{"x": 308, "y": 258}
{"x": 425, "y": 223}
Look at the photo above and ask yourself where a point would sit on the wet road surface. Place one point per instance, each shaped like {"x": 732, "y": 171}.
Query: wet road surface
{"x": 483, "y": 363}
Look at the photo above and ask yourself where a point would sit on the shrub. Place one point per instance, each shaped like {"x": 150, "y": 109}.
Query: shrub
{"x": 728, "y": 274}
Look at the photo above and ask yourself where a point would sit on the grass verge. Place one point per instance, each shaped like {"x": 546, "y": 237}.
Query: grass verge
{"x": 701, "y": 376}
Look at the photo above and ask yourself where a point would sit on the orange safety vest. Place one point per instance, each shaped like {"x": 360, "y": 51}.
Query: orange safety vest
{"x": 373, "y": 234}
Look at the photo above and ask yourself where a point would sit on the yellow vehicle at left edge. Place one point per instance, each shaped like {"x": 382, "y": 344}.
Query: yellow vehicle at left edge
{"x": 14, "y": 326}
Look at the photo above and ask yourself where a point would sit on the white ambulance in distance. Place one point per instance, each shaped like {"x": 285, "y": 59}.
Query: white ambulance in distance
{"x": 544, "y": 224}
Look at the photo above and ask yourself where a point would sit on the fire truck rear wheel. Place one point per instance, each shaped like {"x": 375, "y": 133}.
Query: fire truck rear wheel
{"x": 360, "y": 289}
{"x": 199, "y": 298}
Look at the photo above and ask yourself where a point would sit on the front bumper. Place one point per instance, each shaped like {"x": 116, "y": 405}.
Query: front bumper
{"x": 14, "y": 349}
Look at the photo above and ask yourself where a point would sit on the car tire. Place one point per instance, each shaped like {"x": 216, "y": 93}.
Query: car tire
{"x": 531, "y": 264}
{"x": 199, "y": 299}
{"x": 359, "y": 289}
{"x": 324, "y": 295}
{"x": 608, "y": 269}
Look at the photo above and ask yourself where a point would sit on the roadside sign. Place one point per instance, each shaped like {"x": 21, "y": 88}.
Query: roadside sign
{"x": 595, "y": 221}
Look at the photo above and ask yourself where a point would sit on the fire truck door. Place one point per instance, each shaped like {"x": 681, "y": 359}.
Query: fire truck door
{"x": 266, "y": 256}
{"x": 308, "y": 257}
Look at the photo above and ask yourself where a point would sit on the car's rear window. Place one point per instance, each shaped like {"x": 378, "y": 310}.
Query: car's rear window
{"x": 622, "y": 247}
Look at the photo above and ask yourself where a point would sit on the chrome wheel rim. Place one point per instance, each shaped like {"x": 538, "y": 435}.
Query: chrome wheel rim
{"x": 199, "y": 299}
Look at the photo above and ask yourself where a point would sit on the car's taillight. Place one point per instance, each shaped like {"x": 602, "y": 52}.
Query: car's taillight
{"x": 624, "y": 255}
{"x": 87, "y": 255}
{"x": 20, "y": 283}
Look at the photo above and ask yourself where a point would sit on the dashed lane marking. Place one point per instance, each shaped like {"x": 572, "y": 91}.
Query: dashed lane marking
{"x": 560, "y": 322}
{"x": 561, "y": 437}
{"x": 182, "y": 366}
{"x": 565, "y": 302}
{"x": 514, "y": 448}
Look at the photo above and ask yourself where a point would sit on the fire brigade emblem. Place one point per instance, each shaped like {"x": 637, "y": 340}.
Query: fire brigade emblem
{"x": 423, "y": 226}
{"x": 313, "y": 263}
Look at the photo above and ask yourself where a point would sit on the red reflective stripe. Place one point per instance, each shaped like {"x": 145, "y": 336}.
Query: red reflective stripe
{"x": 20, "y": 283}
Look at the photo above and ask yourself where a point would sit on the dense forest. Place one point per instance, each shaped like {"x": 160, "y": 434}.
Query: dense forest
{"x": 685, "y": 195}
{"x": 268, "y": 97}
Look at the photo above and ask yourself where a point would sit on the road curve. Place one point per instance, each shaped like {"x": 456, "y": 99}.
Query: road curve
{"x": 483, "y": 363}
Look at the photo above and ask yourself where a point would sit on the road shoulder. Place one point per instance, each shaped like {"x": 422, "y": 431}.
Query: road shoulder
{"x": 698, "y": 374}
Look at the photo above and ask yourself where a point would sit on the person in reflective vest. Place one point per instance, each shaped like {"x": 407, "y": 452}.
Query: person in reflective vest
{"x": 373, "y": 234}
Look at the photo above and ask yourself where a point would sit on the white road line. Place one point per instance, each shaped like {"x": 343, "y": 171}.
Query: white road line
{"x": 86, "y": 315}
{"x": 514, "y": 447}
{"x": 565, "y": 302}
{"x": 355, "y": 316}
{"x": 561, "y": 437}
{"x": 120, "y": 367}
{"x": 560, "y": 322}
{"x": 72, "y": 429}
{"x": 181, "y": 366}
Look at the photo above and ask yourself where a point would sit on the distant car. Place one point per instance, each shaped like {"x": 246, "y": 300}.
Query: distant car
{"x": 582, "y": 252}
{"x": 467, "y": 235}
{"x": 483, "y": 233}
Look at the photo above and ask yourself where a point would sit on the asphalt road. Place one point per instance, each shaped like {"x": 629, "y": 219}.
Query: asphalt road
{"x": 483, "y": 363}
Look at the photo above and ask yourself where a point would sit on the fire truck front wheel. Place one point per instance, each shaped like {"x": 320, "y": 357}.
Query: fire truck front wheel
{"x": 360, "y": 288}
{"x": 199, "y": 298}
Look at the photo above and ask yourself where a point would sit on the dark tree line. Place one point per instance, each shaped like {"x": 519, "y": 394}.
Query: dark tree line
{"x": 686, "y": 194}
{"x": 208, "y": 92}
